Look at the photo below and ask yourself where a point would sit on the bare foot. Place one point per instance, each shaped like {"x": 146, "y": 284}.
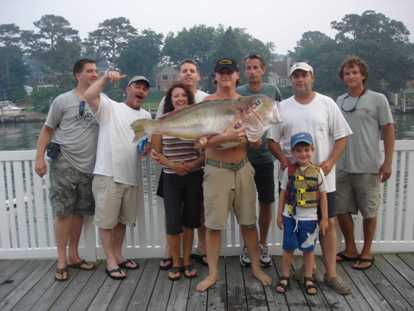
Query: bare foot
{"x": 205, "y": 284}
{"x": 262, "y": 277}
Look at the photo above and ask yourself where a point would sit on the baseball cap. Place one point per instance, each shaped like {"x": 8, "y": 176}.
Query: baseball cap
{"x": 300, "y": 66}
{"x": 302, "y": 137}
{"x": 226, "y": 63}
{"x": 138, "y": 79}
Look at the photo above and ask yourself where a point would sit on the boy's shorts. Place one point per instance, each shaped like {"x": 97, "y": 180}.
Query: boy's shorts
{"x": 303, "y": 238}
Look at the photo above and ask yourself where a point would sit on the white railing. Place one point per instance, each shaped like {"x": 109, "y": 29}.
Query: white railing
{"x": 26, "y": 221}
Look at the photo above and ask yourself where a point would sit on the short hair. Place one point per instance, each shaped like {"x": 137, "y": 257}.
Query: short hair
{"x": 188, "y": 61}
{"x": 256, "y": 56}
{"x": 78, "y": 66}
{"x": 168, "y": 106}
{"x": 351, "y": 61}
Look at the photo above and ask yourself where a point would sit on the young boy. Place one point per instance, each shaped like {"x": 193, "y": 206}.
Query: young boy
{"x": 302, "y": 198}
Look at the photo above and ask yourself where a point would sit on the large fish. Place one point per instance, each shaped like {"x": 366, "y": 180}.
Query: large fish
{"x": 212, "y": 117}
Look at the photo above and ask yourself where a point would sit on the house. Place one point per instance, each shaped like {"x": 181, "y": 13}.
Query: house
{"x": 165, "y": 77}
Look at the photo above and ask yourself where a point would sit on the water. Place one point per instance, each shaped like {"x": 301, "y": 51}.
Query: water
{"x": 22, "y": 136}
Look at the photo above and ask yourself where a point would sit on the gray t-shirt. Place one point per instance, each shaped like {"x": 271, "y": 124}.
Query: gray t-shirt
{"x": 362, "y": 153}
{"x": 77, "y": 135}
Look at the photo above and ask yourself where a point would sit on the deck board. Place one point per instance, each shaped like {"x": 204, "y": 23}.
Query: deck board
{"x": 388, "y": 285}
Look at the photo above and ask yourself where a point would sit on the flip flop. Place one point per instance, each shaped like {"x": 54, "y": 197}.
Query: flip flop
{"x": 175, "y": 273}
{"x": 345, "y": 257}
{"x": 129, "y": 265}
{"x": 61, "y": 274}
{"x": 111, "y": 272}
{"x": 189, "y": 271}
{"x": 83, "y": 265}
{"x": 363, "y": 260}
{"x": 200, "y": 258}
{"x": 166, "y": 263}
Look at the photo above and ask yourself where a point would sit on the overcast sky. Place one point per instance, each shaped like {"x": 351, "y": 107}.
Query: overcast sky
{"x": 281, "y": 22}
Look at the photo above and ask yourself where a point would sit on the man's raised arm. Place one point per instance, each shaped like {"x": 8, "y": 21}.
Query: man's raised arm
{"x": 92, "y": 94}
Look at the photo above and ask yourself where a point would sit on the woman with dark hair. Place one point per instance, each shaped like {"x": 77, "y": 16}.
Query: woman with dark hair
{"x": 181, "y": 185}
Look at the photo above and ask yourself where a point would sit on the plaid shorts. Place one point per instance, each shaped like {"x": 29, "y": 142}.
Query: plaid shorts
{"x": 70, "y": 190}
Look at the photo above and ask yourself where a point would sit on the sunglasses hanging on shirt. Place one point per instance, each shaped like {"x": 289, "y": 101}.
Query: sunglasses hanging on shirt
{"x": 350, "y": 106}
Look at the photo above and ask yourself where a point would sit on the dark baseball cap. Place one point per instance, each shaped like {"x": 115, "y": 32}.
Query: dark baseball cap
{"x": 226, "y": 63}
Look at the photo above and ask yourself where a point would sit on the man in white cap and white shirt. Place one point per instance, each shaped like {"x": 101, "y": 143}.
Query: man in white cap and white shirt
{"x": 117, "y": 170}
{"x": 317, "y": 114}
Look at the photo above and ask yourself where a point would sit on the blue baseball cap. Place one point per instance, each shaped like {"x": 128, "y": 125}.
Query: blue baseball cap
{"x": 303, "y": 137}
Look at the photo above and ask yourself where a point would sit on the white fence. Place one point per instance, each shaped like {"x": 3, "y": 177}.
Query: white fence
{"x": 26, "y": 221}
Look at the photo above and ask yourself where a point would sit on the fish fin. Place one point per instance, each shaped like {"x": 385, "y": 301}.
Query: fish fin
{"x": 142, "y": 127}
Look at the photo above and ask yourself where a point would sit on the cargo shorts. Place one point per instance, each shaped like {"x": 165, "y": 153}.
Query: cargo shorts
{"x": 226, "y": 189}
{"x": 115, "y": 202}
{"x": 358, "y": 192}
{"x": 70, "y": 191}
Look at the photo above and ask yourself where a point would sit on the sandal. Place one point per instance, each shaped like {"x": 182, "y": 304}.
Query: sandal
{"x": 61, "y": 274}
{"x": 282, "y": 285}
{"x": 166, "y": 263}
{"x": 341, "y": 256}
{"x": 199, "y": 257}
{"x": 310, "y": 286}
{"x": 175, "y": 273}
{"x": 360, "y": 260}
{"x": 189, "y": 271}
{"x": 129, "y": 265}
{"x": 110, "y": 273}
{"x": 83, "y": 265}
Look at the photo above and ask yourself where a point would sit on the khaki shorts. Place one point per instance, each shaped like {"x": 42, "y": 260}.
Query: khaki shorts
{"x": 358, "y": 192}
{"x": 226, "y": 189}
{"x": 115, "y": 202}
{"x": 70, "y": 190}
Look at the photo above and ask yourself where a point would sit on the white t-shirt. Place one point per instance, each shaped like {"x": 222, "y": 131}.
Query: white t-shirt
{"x": 198, "y": 98}
{"x": 321, "y": 118}
{"x": 303, "y": 213}
{"x": 117, "y": 154}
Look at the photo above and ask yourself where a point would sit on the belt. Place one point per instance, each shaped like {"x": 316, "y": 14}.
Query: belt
{"x": 229, "y": 166}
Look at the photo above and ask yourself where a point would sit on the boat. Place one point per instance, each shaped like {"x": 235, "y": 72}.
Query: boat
{"x": 8, "y": 109}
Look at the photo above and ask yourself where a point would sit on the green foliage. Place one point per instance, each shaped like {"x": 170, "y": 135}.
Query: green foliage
{"x": 9, "y": 35}
{"x": 381, "y": 42}
{"x": 107, "y": 42}
{"x": 206, "y": 44}
{"x": 12, "y": 73}
{"x": 42, "y": 98}
{"x": 142, "y": 55}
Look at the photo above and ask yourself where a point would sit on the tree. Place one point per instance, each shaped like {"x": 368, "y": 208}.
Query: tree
{"x": 107, "y": 42}
{"x": 196, "y": 43}
{"x": 9, "y": 35}
{"x": 12, "y": 73}
{"x": 42, "y": 98}
{"x": 142, "y": 54}
{"x": 383, "y": 43}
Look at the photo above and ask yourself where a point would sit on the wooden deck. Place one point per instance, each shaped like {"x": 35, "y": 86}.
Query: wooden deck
{"x": 29, "y": 285}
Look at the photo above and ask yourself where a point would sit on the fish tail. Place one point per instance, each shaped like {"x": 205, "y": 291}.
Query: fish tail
{"x": 142, "y": 127}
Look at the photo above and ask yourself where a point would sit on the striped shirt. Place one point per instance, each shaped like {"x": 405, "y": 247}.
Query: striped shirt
{"x": 178, "y": 150}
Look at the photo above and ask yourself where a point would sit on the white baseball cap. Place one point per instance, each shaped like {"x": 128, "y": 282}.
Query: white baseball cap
{"x": 300, "y": 66}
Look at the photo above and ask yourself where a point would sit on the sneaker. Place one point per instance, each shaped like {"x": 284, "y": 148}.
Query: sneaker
{"x": 244, "y": 258}
{"x": 338, "y": 285}
{"x": 265, "y": 259}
